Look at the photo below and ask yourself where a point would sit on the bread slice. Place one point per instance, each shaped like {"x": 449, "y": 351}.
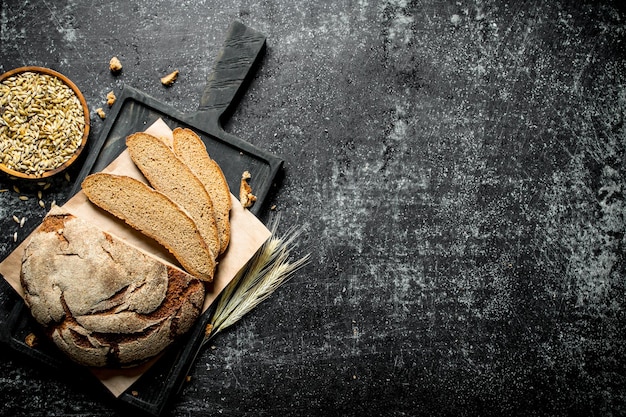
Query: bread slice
{"x": 102, "y": 301}
{"x": 154, "y": 214}
{"x": 171, "y": 176}
{"x": 190, "y": 149}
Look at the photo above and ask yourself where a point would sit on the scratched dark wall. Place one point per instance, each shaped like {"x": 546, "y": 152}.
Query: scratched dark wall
{"x": 457, "y": 168}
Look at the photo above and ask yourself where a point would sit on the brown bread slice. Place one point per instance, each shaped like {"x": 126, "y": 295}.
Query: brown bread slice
{"x": 154, "y": 214}
{"x": 171, "y": 176}
{"x": 190, "y": 149}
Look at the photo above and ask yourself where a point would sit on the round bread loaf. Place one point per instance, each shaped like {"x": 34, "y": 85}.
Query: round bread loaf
{"x": 100, "y": 300}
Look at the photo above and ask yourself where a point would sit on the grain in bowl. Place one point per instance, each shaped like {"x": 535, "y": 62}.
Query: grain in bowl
{"x": 44, "y": 122}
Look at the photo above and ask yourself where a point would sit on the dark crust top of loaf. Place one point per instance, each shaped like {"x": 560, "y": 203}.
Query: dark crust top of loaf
{"x": 178, "y": 310}
{"x": 179, "y": 288}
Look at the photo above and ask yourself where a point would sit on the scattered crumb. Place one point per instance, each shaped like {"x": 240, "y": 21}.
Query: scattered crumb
{"x": 246, "y": 197}
{"x": 115, "y": 65}
{"x": 134, "y": 393}
{"x": 169, "y": 78}
{"x": 188, "y": 378}
{"x": 111, "y": 98}
{"x": 101, "y": 113}
{"x": 30, "y": 340}
{"x": 208, "y": 329}
{"x": 273, "y": 207}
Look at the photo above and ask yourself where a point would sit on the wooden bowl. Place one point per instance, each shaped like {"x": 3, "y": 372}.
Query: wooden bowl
{"x": 85, "y": 132}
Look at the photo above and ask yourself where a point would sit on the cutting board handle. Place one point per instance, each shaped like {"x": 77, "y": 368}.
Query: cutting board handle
{"x": 242, "y": 50}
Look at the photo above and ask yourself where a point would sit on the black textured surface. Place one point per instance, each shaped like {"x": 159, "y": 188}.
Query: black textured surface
{"x": 459, "y": 171}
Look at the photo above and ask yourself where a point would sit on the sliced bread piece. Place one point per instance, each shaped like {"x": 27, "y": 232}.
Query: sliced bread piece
{"x": 154, "y": 214}
{"x": 190, "y": 149}
{"x": 171, "y": 176}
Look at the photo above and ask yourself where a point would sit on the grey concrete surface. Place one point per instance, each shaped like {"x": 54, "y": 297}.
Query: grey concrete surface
{"x": 457, "y": 168}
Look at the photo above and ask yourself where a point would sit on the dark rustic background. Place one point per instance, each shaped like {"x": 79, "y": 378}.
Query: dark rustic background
{"x": 457, "y": 167}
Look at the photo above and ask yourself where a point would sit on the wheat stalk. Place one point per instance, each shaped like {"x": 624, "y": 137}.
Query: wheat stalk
{"x": 268, "y": 269}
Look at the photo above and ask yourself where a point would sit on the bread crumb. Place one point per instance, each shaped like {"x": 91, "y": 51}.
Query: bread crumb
{"x": 101, "y": 113}
{"x": 134, "y": 393}
{"x": 273, "y": 207}
{"x": 115, "y": 65}
{"x": 30, "y": 340}
{"x": 111, "y": 98}
{"x": 208, "y": 329}
{"x": 246, "y": 197}
{"x": 188, "y": 378}
{"x": 169, "y": 78}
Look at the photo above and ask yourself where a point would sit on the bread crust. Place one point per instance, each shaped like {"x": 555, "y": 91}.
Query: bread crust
{"x": 103, "y": 302}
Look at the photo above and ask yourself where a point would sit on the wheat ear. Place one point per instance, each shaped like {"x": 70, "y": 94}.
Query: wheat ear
{"x": 268, "y": 269}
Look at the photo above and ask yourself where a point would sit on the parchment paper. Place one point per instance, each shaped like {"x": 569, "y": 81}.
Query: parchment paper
{"x": 247, "y": 235}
